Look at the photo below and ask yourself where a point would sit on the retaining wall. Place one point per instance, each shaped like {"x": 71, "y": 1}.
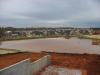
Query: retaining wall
{"x": 26, "y": 67}
{"x": 40, "y": 64}
{"x": 21, "y": 68}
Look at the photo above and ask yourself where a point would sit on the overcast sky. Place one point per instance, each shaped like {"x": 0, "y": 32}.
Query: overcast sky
{"x": 50, "y": 13}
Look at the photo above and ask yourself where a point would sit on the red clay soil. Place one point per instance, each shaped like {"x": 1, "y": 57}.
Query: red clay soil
{"x": 9, "y": 59}
{"x": 89, "y": 63}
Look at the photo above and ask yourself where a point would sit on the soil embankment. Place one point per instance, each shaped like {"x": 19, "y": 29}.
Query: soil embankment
{"x": 88, "y": 62}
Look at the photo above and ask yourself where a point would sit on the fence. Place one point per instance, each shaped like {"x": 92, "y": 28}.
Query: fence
{"x": 25, "y": 67}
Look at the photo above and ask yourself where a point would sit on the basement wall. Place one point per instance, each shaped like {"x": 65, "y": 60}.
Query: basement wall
{"x": 38, "y": 65}
{"x": 26, "y": 67}
{"x": 20, "y": 68}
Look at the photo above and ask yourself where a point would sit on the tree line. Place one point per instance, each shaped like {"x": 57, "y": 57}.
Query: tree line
{"x": 2, "y": 34}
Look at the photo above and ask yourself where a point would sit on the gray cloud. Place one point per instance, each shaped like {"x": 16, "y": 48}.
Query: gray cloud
{"x": 30, "y": 12}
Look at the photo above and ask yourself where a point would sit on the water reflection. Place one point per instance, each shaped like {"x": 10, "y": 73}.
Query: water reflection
{"x": 72, "y": 45}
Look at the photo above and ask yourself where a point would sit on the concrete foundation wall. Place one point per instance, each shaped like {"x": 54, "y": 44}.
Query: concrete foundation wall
{"x": 40, "y": 64}
{"x": 25, "y": 67}
{"x": 21, "y": 68}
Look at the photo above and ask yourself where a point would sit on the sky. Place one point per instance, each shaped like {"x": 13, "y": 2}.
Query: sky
{"x": 50, "y": 13}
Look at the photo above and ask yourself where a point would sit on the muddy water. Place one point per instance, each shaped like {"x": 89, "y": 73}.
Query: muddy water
{"x": 73, "y": 45}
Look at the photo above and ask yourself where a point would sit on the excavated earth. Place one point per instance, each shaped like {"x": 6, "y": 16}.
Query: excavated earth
{"x": 90, "y": 63}
{"x": 10, "y": 59}
{"x": 87, "y": 62}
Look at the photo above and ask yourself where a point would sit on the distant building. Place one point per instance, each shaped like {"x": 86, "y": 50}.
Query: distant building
{"x": 96, "y": 31}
